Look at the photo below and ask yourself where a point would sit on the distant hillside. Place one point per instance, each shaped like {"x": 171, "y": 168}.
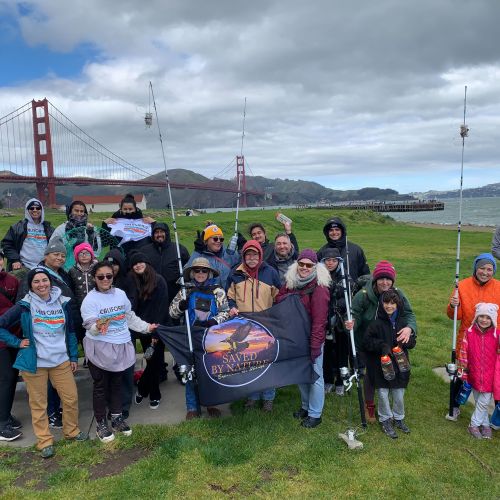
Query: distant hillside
{"x": 280, "y": 191}
{"x": 490, "y": 190}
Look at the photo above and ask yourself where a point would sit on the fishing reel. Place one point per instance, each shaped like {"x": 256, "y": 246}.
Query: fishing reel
{"x": 451, "y": 369}
{"x": 186, "y": 373}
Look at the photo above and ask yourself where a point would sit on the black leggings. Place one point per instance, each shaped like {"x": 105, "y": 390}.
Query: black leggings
{"x": 107, "y": 388}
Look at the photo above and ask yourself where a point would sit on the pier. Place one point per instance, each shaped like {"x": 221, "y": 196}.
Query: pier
{"x": 384, "y": 206}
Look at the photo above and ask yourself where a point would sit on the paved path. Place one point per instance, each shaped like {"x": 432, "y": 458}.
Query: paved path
{"x": 172, "y": 409}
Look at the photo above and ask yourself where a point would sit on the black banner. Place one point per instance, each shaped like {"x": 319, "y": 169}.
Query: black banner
{"x": 250, "y": 353}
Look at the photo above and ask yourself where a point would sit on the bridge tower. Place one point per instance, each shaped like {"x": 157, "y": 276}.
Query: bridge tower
{"x": 44, "y": 162}
{"x": 241, "y": 179}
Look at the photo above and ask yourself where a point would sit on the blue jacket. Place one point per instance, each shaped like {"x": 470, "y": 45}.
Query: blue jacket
{"x": 26, "y": 359}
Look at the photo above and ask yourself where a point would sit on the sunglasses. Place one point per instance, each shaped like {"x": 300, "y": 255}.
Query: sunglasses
{"x": 218, "y": 238}
{"x": 32, "y": 209}
{"x": 200, "y": 270}
{"x": 102, "y": 277}
{"x": 306, "y": 264}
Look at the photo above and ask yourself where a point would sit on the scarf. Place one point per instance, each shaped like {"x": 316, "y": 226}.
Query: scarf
{"x": 302, "y": 282}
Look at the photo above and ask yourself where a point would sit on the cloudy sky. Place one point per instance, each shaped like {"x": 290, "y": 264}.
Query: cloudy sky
{"x": 348, "y": 94}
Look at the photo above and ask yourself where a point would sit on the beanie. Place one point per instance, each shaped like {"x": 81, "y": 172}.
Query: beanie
{"x": 57, "y": 246}
{"x": 137, "y": 257}
{"x": 37, "y": 270}
{"x": 487, "y": 309}
{"x": 211, "y": 231}
{"x": 308, "y": 253}
{"x": 80, "y": 248}
{"x": 384, "y": 269}
{"x": 481, "y": 260}
{"x": 330, "y": 253}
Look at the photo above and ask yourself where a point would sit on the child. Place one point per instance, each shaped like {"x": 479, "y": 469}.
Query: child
{"x": 379, "y": 340}
{"x": 207, "y": 305}
{"x": 479, "y": 353}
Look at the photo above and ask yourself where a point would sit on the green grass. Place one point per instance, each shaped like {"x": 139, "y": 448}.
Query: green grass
{"x": 257, "y": 455}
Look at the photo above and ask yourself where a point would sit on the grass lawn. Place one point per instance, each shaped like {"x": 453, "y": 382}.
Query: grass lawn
{"x": 258, "y": 455}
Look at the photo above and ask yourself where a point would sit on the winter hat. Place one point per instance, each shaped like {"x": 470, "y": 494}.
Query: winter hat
{"x": 80, "y": 248}
{"x": 34, "y": 204}
{"x": 199, "y": 262}
{"x": 211, "y": 231}
{"x": 308, "y": 253}
{"x": 253, "y": 245}
{"x": 137, "y": 257}
{"x": 487, "y": 309}
{"x": 481, "y": 260}
{"x": 330, "y": 253}
{"x": 384, "y": 269}
{"x": 37, "y": 270}
{"x": 57, "y": 246}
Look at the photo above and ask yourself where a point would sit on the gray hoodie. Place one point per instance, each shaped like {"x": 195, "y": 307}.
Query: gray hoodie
{"x": 36, "y": 241}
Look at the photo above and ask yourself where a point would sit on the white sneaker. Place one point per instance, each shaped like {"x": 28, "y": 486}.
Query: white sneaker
{"x": 454, "y": 417}
{"x": 328, "y": 388}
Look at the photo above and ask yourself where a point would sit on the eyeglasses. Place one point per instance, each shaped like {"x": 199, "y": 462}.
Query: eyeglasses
{"x": 218, "y": 238}
{"x": 32, "y": 209}
{"x": 102, "y": 277}
{"x": 306, "y": 264}
{"x": 85, "y": 253}
{"x": 200, "y": 270}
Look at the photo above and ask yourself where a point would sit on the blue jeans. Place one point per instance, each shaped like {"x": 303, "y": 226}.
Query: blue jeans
{"x": 192, "y": 403}
{"x": 313, "y": 395}
{"x": 267, "y": 395}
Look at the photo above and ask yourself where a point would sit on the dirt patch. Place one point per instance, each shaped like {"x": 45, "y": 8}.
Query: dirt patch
{"x": 114, "y": 463}
{"x": 227, "y": 491}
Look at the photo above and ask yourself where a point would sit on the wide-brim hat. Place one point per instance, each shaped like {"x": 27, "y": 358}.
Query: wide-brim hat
{"x": 199, "y": 262}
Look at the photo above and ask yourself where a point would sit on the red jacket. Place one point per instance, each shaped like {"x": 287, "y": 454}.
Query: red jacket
{"x": 315, "y": 297}
{"x": 9, "y": 286}
{"x": 479, "y": 357}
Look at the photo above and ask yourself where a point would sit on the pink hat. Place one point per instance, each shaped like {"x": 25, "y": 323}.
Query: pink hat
{"x": 384, "y": 269}
{"x": 82, "y": 246}
{"x": 487, "y": 309}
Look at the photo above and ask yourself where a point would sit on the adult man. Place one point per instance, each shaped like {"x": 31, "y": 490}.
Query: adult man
{"x": 336, "y": 236}
{"x": 258, "y": 233}
{"x": 284, "y": 254}
{"x": 162, "y": 254}
{"x": 26, "y": 240}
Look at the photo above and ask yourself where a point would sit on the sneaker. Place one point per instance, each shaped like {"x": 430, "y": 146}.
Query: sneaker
{"x": 138, "y": 398}
{"x": 454, "y": 417}
{"x": 328, "y": 388}
{"x": 154, "y": 404}
{"x": 47, "y": 452}
{"x": 475, "y": 432}
{"x": 267, "y": 405}
{"x": 250, "y": 404}
{"x": 103, "y": 432}
{"x": 339, "y": 390}
{"x": 190, "y": 415}
{"x": 125, "y": 415}
{"x": 389, "y": 429}
{"x": 118, "y": 424}
{"x": 8, "y": 433}
{"x": 213, "y": 412}
{"x": 81, "y": 436}
{"x": 14, "y": 423}
{"x": 401, "y": 425}
{"x": 300, "y": 414}
{"x": 55, "y": 420}
{"x": 486, "y": 432}
{"x": 311, "y": 422}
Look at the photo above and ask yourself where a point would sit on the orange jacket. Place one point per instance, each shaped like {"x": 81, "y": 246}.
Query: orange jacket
{"x": 470, "y": 293}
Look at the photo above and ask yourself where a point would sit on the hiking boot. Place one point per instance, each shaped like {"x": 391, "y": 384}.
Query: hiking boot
{"x": 328, "y": 388}
{"x": 486, "y": 432}
{"x": 300, "y": 414}
{"x": 47, "y": 452}
{"x": 311, "y": 422}
{"x": 55, "y": 420}
{"x": 154, "y": 404}
{"x": 401, "y": 425}
{"x": 267, "y": 405}
{"x": 138, "y": 398}
{"x": 370, "y": 412}
{"x": 339, "y": 390}
{"x": 103, "y": 432}
{"x": 454, "y": 417}
{"x": 213, "y": 412}
{"x": 250, "y": 404}
{"x": 8, "y": 433}
{"x": 389, "y": 429}
{"x": 81, "y": 436}
{"x": 118, "y": 424}
{"x": 14, "y": 423}
{"x": 475, "y": 432}
{"x": 190, "y": 415}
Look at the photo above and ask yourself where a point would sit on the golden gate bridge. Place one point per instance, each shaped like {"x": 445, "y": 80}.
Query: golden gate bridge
{"x": 40, "y": 145}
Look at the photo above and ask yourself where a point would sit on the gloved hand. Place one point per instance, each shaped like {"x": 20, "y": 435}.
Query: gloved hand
{"x": 182, "y": 305}
{"x": 315, "y": 352}
{"x": 241, "y": 241}
{"x": 199, "y": 244}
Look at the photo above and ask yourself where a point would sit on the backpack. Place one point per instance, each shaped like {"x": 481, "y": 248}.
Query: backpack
{"x": 202, "y": 305}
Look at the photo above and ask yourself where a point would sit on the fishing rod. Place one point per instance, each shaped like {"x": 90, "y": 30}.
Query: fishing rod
{"x": 451, "y": 368}
{"x": 174, "y": 225}
{"x": 234, "y": 240}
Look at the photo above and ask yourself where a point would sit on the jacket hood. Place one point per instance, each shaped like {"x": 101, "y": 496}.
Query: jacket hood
{"x": 27, "y": 215}
{"x": 117, "y": 256}
{"x": 135, "y": 215}
{"x": 55, "y": 295}
{"x": 72, "y": 204}
{"x": 161, "y": 225}
{"x": 335, "y": 243}
{"x": 322, "y": 276}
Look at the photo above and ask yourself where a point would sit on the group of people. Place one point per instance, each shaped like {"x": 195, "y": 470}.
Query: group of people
{"x": 47, "y": 309}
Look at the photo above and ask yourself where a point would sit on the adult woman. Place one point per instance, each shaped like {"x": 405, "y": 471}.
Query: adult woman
{"x": 107, "y": 316}
{"x": 47, "y": 351}
{"x": 364, "y": 310}
{"x": 480, "y": 287}
{"x": 148, "y": 295}
{"x": 311, "y": 281}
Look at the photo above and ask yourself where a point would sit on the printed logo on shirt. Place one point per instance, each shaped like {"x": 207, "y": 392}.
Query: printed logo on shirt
{"x": 36, "y": 235}
{"x": 48, "y": 321}
{"x": 116, "y": 317}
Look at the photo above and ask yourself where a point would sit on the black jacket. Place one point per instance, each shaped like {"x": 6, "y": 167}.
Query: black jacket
{"x": 271, "y": 256}
{"x": 82, "y": 281}
{"x": 357, "y": 260}
{"x": 163, "y": 258}
{"x": 121, "y": 280}
{"x": 14, "y": 239}
{"x": 380, "y": 338}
